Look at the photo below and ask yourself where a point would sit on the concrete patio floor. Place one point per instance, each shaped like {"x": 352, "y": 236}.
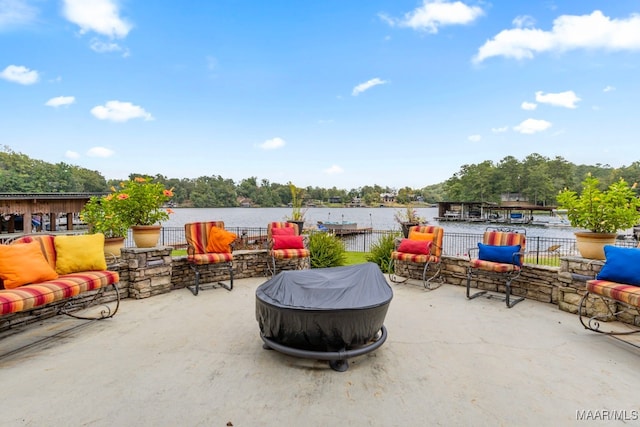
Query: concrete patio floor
{"x": 177, "y": 359}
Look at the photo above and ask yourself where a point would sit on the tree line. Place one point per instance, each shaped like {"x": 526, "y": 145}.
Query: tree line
{"x": 537, "y": 178}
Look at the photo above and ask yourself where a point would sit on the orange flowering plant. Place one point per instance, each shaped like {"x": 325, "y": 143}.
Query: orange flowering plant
{"x": 140, "y": 201}
{"x": 100, "y": 213}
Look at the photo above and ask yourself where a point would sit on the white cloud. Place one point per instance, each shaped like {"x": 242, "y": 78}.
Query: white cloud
{"x": 117, "y": 111}
{"x": 569, "y": 32}
{"x": 99, "y": 16}
{"x": 566, "y": 99}
{"x": 523, "y": 21}
{"x": 531, "y": 126}
{"x": 474, "y": 138}
{"x": 60, "y": 100}
{"x": 434, "y": 14}
{"x": 20, "y": 74}
{"x": 530, "y": 106}
{"x": 609, "y": 89}
{"x": 105, "y": 47}
{"x": 99, "y": 152}
{"x": 367, "y": 85}
{"x": 500, "y": 129}
{"x": 16, "y": 13}
{"x": 71, "y": 154}
{"x": 334, "y": 170}
{"x": 273, "y": 144}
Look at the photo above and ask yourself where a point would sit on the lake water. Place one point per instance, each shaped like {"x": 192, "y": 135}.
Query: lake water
{"x": 375, "y": 218}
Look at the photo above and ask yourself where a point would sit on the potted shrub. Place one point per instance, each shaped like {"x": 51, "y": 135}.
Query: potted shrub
{"x": 603, "y": 213}
{"x": 408, "y": 218}
{"x": 141, "y": 204}
{"x": 100, "y": 213}
{"x": 297, "y": 212}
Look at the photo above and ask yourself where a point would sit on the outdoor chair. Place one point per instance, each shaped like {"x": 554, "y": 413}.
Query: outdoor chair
{"x": 499, "y": 257}
{"x": 208, "y": 243}
{"x": 423, "y": 247}
{"x": 284, "y": 243}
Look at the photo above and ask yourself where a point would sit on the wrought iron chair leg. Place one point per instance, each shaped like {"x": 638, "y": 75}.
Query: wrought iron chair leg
{"x": 195, "y": 288}
{"x": 392, "y": 273}
{"x": 469, "y": 294}
{"x": 230, "y": 285}
{"x": 593, "y": 323}
{"x": 106, "y": 313}
{"x": 273, "y": 269}
{"x": 427, "y": 281}
{"x": 508, "y": 295}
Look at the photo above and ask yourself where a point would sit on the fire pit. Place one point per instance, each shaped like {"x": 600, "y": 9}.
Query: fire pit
{"x": 325, "y": 314}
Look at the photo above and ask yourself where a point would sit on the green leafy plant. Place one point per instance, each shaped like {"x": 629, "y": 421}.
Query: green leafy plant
{"x": 408, "y": 216}
{"x": 297, "y": 194}
{"x": 607, "y": 211}
{"x": 141, "y": 201}
{"x": 326, "y": 250}
{"x": 100, "y": 213}
{"x": 381, "y": 251}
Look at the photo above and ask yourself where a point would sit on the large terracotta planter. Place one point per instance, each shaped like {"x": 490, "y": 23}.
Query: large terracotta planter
{"x": 146, "y": 236}
{"x": 591, "y": 245}
{"x": 112, "y": 246}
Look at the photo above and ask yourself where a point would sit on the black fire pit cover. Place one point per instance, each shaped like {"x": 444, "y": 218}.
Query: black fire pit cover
{"x": 325, "y": 308}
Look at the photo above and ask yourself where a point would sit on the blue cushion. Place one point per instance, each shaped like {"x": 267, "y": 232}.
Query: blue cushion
{"x": 496, "y": 253}
{"x": 622, "y": 265}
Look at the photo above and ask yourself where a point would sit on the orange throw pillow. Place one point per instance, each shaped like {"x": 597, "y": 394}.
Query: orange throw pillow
{"x": 219, "y": 240}
{"x": 24, "y": 263}
{"x": 416, "y": 235}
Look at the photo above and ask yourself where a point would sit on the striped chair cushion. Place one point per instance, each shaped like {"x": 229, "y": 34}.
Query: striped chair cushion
{"x": 210, "y": 258}
{"x": 416, "y": 258}
{"x": 502, "y": 238}
{"x": 626, "y": 293}
{"x": 30, "y": 296}
{"x": 497, "y": 267}
{"x": 290, "y": 253}
{"x": 197, "y": 235}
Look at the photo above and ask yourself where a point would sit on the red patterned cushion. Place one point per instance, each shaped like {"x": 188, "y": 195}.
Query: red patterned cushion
{"x": 285, "y": 231}
{"x": 287, "y": 242}
{"x": 419, "y": 247}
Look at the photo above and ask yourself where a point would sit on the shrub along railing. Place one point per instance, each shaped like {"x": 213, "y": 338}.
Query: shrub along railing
{"x": 541, "y": 250}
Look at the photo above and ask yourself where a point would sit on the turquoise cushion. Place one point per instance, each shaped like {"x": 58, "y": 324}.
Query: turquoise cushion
{"x": 622, "y": 265}
{"x": 495, "y": 253}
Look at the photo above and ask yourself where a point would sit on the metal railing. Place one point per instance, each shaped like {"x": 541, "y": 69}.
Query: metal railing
{"x": 540, "y": 250}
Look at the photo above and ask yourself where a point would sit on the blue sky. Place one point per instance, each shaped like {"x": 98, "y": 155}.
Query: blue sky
{"x": 324, "y": 93}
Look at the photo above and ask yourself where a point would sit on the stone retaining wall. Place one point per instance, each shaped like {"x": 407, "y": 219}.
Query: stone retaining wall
{"x": 148, "y": 272}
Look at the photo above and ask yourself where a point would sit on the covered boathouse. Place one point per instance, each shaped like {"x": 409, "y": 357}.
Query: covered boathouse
{"x": 28, "y": 212}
